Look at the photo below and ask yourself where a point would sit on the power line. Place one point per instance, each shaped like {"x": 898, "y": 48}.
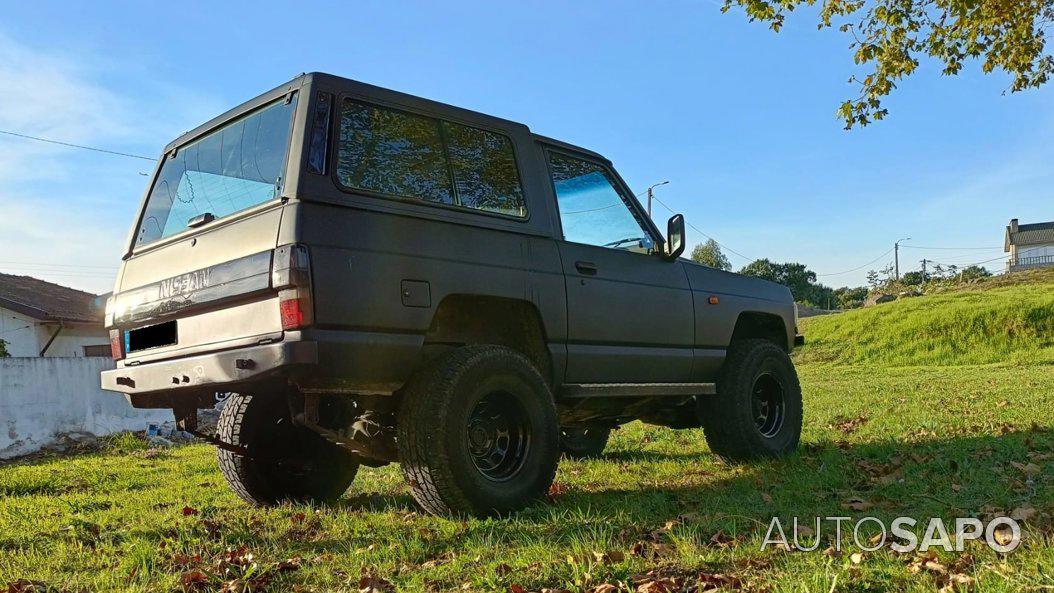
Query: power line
{"x": 860, "y": 267}
{"x": 697, "y": 229}
{"x": 22, "y": 264}
{"x": 976, "y": 263}
{"x": 953, "y": 248}
{"x": 81, "y": 146}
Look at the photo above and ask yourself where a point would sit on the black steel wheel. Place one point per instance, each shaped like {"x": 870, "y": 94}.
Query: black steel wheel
{"x": 579, "y": 442}
{"x": 477, "y": 433}
{"x": 499, "y": 436}
{"x": 768, "y": 405}
{"x": 285, "y": 462}
{"x": 757, "y": 411}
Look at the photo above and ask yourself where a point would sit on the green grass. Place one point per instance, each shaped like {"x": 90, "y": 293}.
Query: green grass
{"x": 114, "y": 521}
{"x": 940, "y": 437}
{"x": 991, "y": 322}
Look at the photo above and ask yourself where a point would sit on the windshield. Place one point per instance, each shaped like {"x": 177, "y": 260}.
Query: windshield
{"x": 236, "y": 167}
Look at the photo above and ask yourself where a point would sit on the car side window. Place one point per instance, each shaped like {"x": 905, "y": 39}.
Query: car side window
{"x": 592, "y": 210}
{"x": 392, "y": 152}
{"x": 406, "y": 155}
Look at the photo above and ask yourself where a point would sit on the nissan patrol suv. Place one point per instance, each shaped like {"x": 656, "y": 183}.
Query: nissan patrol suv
{"x": 375, "y": 277}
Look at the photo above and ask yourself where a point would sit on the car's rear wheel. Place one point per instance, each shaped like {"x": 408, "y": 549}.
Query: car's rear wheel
{"x": 579, "y": 442}
{"x": 284, "y": 462}
{"x": 477, "y": 433}
{"x": 757, "y": 411}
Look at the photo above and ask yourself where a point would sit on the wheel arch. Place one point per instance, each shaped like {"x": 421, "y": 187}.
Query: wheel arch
{"x": 464, "y": 319}
{"x": 761, "y": 325}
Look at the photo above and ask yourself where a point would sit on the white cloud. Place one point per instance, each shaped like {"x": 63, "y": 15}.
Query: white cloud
{"x": 65, "y": 212}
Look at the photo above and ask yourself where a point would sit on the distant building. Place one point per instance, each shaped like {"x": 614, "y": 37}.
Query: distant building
{"x": 38, "y": 318}
{"x": 1029, "y": 245}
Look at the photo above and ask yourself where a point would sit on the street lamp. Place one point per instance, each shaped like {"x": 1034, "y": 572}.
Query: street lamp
{"x": 649, "y": 194}
{"x": 896, "y": 257}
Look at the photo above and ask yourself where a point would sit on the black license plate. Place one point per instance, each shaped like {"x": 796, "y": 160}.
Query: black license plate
{"x": 151, "y": 336}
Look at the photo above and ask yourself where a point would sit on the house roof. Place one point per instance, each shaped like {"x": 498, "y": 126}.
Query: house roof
{"x": 46, "y": 301}
{"x": 1030, "y": 234}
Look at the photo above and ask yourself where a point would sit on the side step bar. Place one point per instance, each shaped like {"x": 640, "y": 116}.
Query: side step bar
{"x": 636, "y": 389}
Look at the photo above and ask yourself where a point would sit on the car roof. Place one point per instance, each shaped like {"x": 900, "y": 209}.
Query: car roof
{"x": 366, "y": 89}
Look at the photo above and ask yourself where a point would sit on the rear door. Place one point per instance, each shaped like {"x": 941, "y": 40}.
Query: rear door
{"x": 201, "y": 254}
{"x": 630, "y": 315}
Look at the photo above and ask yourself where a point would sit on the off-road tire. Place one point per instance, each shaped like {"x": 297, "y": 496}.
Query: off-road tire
{"x": 285, "y": 462}
{"x": 581, "y": 442}
{"x": 433, "y": 432}
{"x": 730, "y": 419}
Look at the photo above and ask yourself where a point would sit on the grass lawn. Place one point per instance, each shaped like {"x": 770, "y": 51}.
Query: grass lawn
{"x": 915, "y": 441}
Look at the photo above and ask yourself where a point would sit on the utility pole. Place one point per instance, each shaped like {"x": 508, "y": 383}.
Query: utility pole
{"x": 924, "y": 268}
{"x": 650, "y": 194}
{"x": 896, "y": 257}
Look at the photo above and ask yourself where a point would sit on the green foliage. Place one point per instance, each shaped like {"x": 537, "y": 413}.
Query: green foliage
{"x": 799, "y": 279}
{"x": 850, "y": 298}
{"x": 914, "y": 278}
{"x": 889, "y": 37}
{"x": 974, "y": 272}
{"x": 998, "y": 323}
{"x": 3, "y": 349}
{"x": 709, "y": 254}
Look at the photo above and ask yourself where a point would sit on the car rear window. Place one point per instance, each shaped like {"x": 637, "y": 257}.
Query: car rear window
{"x": 405, "y": 155}
{"x": 233, "y": 168}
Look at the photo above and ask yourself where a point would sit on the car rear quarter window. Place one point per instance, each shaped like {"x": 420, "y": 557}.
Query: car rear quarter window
{"x": 484, "y": 168}
{"x": 406, "y": 155}
{"x": 392, "y": 152}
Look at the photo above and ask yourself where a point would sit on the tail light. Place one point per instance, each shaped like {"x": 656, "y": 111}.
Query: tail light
{"x": 116, "y": 344}
{"x": 291, "y": 275}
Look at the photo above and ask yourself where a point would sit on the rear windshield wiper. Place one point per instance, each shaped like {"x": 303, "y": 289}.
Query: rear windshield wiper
{"x": 200, "y": 219}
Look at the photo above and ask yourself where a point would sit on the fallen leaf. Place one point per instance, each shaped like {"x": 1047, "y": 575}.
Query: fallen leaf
{"x": 556, "y": 489}
{"x": 187, "y": 511}
{"x": 1023, "y": 512}
{"x": 1030, "y": 469}
{"x": 857, "y": 504}
{"x": 294, "y": 563}
{"x": 371, "y": 583}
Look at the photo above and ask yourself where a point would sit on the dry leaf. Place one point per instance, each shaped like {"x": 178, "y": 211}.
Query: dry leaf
{"x": 1023, "y": 512}
{"x": 857, "y": 504}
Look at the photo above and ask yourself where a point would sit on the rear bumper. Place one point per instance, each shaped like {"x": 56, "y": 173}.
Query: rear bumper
{"x": 242, "y": 365}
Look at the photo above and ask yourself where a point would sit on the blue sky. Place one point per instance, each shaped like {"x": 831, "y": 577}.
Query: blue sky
{"x": 740, "y": 120}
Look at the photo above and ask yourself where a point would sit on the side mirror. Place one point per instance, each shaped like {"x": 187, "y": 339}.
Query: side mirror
{"x": 675, "y": 237}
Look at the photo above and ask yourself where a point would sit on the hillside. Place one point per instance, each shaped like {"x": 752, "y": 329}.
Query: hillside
{"x": 1006, "y": 319}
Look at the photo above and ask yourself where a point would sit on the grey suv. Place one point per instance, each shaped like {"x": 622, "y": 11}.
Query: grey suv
{"x": 382, "y": 278}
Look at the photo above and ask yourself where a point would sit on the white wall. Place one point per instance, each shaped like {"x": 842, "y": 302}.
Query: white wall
{"x": 25, "y": 336}
{"x": 1035, "y": 250}
{"x": 20, "y": 333}
{"x": 41, "y": 398}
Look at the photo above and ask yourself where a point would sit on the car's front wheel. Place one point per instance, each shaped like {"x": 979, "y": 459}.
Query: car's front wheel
{"x": 580, "y": 442}
{"x": 757, "y": 411}
{"x": 477, "y": 433}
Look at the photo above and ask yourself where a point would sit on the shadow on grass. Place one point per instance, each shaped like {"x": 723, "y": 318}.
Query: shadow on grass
{"x": 928, "y": 477}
